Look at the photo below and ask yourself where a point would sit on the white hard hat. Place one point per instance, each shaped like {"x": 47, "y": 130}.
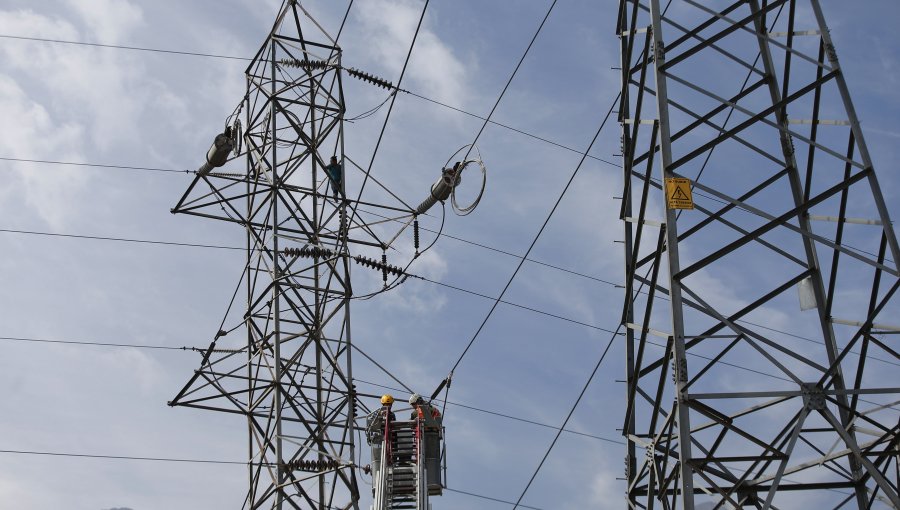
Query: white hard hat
{"x": 415, "y": 397}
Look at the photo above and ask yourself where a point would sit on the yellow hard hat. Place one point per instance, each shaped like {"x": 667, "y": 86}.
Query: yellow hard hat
{"x": 387, "y": 400}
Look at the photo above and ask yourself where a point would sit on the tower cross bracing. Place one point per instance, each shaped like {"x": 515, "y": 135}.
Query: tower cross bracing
{"x": 789, "y": 231}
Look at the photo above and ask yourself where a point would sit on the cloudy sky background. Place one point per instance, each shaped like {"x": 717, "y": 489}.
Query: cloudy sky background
{"x": 117, "y": 107}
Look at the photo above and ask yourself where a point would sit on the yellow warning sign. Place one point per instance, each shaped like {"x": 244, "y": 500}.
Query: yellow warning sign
{"x": 678, "y": 193}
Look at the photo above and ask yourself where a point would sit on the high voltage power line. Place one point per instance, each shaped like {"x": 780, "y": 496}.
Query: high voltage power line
{"x": 208, "y": 55}
{"x": 82, "y": 343}
{"x": 95, "y": 165}
{"x": 199, "y": 349}
{"x": 202, "y": 461}
{"x": 534, "y": 242}
{"x": 487, "y": 120}
{"x": 387, "y": 116}
{"x": 124, "y": 457}
{"x": 122, "y": 47}
{"x": 170, "y": 170}
{"x": 235, "y": 248}
{"x": 428, "y": 280}
{"x": 121, "y": 239}
{"x": 423, "y": 228}
{"x": 536, "y": 237}
{"x": 411, "y": 93}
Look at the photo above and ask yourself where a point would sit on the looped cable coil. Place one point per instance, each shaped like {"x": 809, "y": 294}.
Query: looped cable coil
{"x": 463, "y": 211}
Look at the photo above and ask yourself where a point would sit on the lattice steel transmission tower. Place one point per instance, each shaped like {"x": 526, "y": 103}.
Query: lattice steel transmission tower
{"x": 292, "y": 376}
{"x": 761, "y": 355}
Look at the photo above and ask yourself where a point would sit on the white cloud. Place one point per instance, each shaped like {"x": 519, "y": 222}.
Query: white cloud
{"x": 106, "y": 90}
{"x": 15, "y": 490}
{"x": 108, "y": 20}
{"x": 604, "y": 488}
{"x": 72, "y": 103}
{"x": 134, "y": 368}
{"x": 389, "y": 27}
{"x": 28, "y": 131}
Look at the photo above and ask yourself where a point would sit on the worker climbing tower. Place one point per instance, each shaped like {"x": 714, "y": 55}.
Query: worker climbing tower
{"x": 761, "y": 265}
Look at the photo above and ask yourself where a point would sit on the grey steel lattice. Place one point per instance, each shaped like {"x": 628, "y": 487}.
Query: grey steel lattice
{"x": 748, "y": 101}
{"x": 292, "y": 379}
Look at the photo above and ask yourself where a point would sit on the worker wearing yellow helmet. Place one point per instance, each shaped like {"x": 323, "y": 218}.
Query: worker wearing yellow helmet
{"x": 387, "y": 400}
{"x": 377, "y": 427}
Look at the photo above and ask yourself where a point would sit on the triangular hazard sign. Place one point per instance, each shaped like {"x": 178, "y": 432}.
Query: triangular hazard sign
{"x": 679, "y": 194}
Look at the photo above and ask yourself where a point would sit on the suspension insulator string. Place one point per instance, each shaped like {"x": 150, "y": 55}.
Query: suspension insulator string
{"x": 343, "y": 232}
{"x": 312, "y": 465}
{"x": 383, "y": 266}
{"x": 305, "y": 64}
{"x": 374, "y": 80}
{"x": 309, "y": 252}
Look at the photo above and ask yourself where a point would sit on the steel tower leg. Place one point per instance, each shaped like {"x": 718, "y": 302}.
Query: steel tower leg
{"x": 773, "y": 400}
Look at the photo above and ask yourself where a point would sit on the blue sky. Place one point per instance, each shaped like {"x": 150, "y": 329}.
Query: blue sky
{"x": 117, "y": 107}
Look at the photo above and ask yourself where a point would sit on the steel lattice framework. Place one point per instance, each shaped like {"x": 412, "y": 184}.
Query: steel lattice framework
{"x": 747, "y": 100}
{"x": 292, "y": 378}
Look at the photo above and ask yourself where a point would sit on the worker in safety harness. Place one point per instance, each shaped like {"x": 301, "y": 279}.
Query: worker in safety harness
{"x": 335, "y": 173}
{"x": 429, "y": 418}
{"x": 376, "y": 424}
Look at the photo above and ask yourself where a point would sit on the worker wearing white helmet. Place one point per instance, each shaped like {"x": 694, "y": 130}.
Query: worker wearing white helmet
{"x": 429, "y": 418}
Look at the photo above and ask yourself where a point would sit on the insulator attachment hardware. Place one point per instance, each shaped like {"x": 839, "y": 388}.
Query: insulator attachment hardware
{"x": 310, "y": 252}
{"x": 364, "y": 76}
{"x": 307, "y": 65}
{"x": 383, "y": 266}
{"x": 312, "y": 465}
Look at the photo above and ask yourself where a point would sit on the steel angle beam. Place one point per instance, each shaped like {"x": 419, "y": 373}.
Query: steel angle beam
{"x": 721, "y": 103}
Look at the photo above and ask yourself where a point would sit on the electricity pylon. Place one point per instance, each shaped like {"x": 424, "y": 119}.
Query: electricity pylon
{"x": 761, "y": 265}
{"x": 292, "y": 376}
